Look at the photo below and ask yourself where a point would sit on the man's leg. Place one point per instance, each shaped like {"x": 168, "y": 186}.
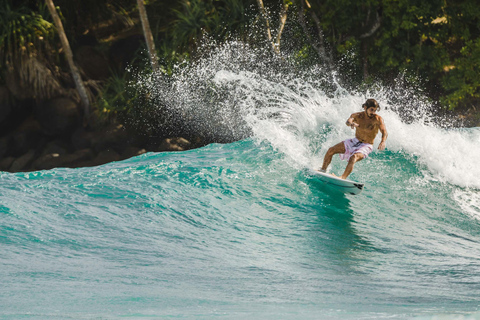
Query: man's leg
{"x": 351, "y": 162}
{"x": 338, "y": 148}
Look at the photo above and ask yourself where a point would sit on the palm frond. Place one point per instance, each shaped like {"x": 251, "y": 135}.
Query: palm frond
{"x": 22, "y": 33}
{"x": 218, "y": 18}
{"x": 41, "y": 82}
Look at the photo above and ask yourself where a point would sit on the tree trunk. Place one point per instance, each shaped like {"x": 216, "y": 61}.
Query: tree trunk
{"x": 268, "y": 31}
{"x": 374, "y": 27}
{"x": 147, "y": 32}
{"x": 82, "y": 92}
{"x": 365, "y": 37}
{"x": 283, "y": 21}
{"x": 320, "y": 46}
{"x": 365, "y": 59}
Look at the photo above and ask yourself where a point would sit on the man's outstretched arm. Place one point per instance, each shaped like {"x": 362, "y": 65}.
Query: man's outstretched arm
{"x": 384, "y": 132}
{"x": 350, "y": 122}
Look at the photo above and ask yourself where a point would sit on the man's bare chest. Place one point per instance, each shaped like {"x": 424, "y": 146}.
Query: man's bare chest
{"x": 367, "y": 124}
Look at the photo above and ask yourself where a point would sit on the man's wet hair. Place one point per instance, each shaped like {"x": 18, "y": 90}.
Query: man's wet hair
{"x": 371, "y": 103}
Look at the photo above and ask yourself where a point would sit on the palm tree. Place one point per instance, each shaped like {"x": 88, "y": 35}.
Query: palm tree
{"x": 319, "y": 45}
{"x": 283, "y": 19}
{"x": 68, "y": 53}
{"x": 196, "y": 19}
{"x": 24, "y": 45}
{"x": 147, "y": 32}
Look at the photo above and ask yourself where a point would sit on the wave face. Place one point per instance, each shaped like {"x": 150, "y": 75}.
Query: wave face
{"x": 239, "y": 230}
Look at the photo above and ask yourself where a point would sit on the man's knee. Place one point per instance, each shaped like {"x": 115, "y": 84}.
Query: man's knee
{"x": 332, "y": 150}
{"x": 356, "y": 157}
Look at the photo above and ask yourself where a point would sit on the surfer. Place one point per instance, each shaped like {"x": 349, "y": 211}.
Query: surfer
{"x": 366, "y": 125}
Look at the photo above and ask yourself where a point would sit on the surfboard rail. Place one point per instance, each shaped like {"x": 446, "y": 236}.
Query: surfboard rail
{"x": 343, "y": 185}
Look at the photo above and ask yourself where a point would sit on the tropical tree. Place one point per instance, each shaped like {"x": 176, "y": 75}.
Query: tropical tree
{"x": 317, "y": 44}
{"x": 274, "y": 40}
{"x": 461, "y": 76}
{"x": 192, "y": 21}
{"x": 219, "y": 19}
{"x": 86, "y": 16}
{"x": 147, "y": 32}
{"x": 82, "y": 92}
{"x": 25, "y": 61}
{"x": 462, "y": 79}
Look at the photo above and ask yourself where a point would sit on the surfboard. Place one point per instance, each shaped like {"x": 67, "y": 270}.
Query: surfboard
{"x": 343, "y": 185}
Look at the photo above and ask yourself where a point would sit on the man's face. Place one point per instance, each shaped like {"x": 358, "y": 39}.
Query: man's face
{"x": 371, "y": 111}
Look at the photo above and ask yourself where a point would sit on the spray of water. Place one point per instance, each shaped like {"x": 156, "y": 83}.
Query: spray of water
{"x": 234, "y": 91}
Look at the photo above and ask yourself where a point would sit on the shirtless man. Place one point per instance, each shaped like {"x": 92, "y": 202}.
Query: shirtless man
{"x": 367, "y": 124}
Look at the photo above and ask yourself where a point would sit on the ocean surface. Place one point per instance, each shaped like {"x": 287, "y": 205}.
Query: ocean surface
{"x": 240, "y": 230}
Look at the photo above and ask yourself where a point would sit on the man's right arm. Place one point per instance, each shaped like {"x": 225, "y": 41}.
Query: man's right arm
{"x": 384, "y": 132}
{"x": 350, "y": 122}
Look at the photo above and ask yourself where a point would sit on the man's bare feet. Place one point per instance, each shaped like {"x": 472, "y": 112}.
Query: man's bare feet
{"x": 341, "y": 177}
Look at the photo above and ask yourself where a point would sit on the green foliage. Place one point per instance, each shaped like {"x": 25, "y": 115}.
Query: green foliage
{"x": 197, "y": 16}
{"x": 436, "y": 40}
{"x": 22, "y": 32}
{"x": 170, "y": 58}
{"x": 114, "y": 98}
{"x": 463, "y": 81}
{"x": 425, "y": 38}
{"x": 405, "y": 40}
{"x": 218, "y": 18}
{"x": 422, "y": 38}
{"x": 463, "y": 18}
{"x": 82, "y": 16}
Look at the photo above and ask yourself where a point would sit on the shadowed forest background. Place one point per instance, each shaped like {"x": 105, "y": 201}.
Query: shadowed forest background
{"x": 66, "y": 98}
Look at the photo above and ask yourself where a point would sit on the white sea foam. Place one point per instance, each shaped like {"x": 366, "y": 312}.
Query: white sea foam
{"x": 451, "y": 155}
{"x": 235, "y": 91}
{"x": 469, "y": 201}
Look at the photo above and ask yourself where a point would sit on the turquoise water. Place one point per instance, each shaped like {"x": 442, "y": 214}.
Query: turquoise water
{"x": 239, "y": 231}
{"x": 234, "y": 231}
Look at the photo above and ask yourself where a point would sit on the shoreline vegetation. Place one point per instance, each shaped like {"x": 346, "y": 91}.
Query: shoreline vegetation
{"x": 66, "y": 66}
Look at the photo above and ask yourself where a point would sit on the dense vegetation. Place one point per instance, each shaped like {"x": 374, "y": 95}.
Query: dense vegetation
{"x": 436, "y": 42}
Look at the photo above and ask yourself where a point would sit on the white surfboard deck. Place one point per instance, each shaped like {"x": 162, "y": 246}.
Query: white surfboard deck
{"x": 345, "y": 186}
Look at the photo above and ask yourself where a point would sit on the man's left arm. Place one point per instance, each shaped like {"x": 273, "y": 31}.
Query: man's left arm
{"x": 384, "y": 132}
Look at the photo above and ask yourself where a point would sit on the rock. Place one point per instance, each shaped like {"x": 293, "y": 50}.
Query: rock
{"x": 4, "y": 146}
{"x": 27, "y": 136}
{"x": 174, "y": 144}
{"x": 6, "y": 163}
{"x": 106, "y": 156}
{"x": 23, "y": 161}
{"x": 5, "y": 103}
{"x": 21, "y": 111}
{"x": 132, "y": 152}
{"x": 55, "y": 147}
{"x": 92, "y": 62}
{"x": 81, "y": 155}
{"x": 55, "y": 160}
{"x": 82, "y": 139}
{"x": 47, "y": 161}
{"x": 16, "y": 88}
{"x": 197, "y": 142}
{"x": 113, "y": 137}
{"x": 58, "y": 117}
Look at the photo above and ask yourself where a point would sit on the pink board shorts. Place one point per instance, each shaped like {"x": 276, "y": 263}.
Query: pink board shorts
{"x": 353, "y": 146}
